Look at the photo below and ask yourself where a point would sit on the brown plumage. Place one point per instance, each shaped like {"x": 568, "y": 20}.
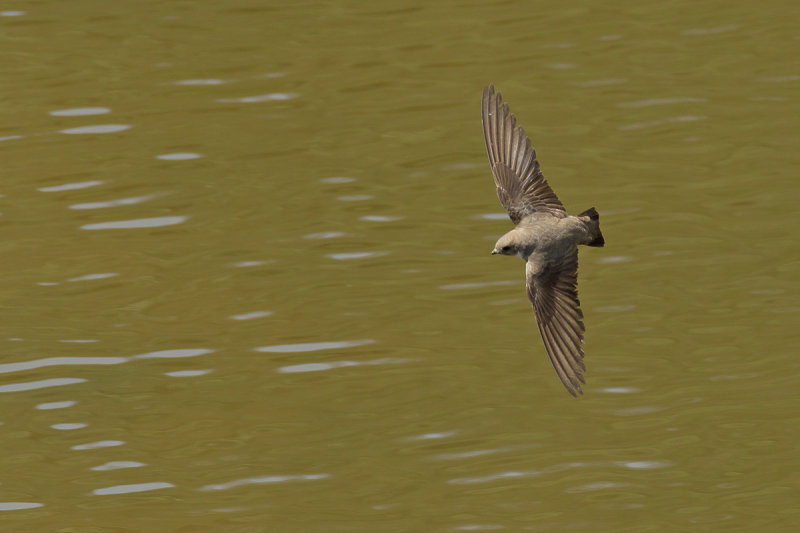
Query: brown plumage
{"x": 544, "y": 236}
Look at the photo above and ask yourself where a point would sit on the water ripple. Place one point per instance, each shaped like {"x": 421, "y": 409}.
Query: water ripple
{"x": 80, "y": 111}
{"x": 98, "y": 444}
{"x": 100, "y": 128}
{"x": 171, "y": 354}
{"x": 355, "y": 198}
{"x": 313, "y": 346}
{"x": 136, "y": 487}
{"x": 58, "y": 361}
{"x": 16, "y": 506}
{"x": 210, "y": 81}
{"x": 155, "y": 222}
{"x": 317, "y": 367}
{"x": 56, "y": 405}
{"x": 264, "y": 480}
{"x": 432, "y": 436}
{"x": 337, "y": 179}
{"x": 187, "y": 373}
{"x": 89, "y": 277}
{"x": 381, "y": 218}
{"x": 117, "y": 465}
{"x": 355, "y": 255}
{"x": 113, "y": 203}
{"x": 260, "y": 98}
{"x": 325, "y": 235}
{"x": 252, "y": 315}
{"x": 180, "y": 156}
{"x": 71, "y": 186}
{"x": 40, "y": 384}
{"x": 67, "y": 426}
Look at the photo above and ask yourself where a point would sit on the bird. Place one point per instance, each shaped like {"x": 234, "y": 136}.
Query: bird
{"x": 544, "y": 236}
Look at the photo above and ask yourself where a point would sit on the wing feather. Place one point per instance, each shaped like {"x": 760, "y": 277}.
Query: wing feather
{"x": 521, "y": 187}
{"x": 552, "y": 289}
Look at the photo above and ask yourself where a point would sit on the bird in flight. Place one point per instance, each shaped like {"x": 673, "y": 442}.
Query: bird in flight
{"x": 544, "y": 236}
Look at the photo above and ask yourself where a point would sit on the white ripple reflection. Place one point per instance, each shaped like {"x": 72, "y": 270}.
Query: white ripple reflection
{"x": 58, "y": 361}
{"x": 432, "y": 436}
{"x": 171, "y": 354}
{"x": 17, "y": 506}
{"x": 155, "y": 222}
{"x": 210, "y": 81}
{"x": 468, "y": 455}
{"x": 113, "y": 203}
{"x": 80, "y": 111}
{"x": 88, "y": 277}
{"x": 313, "y": 346}
{"x": 180, "y": 156}
{"x": 620, "y": 390}
{"x": 98, "y": 444}
{"x": 355, "y": 197}
{"x": 40, "y": 384}
{"x": 614, "y": 259}
{"x": 518, "y": 474}
{"x": 67, "y": 426}
{"x": 355, "y": 255}
{"x": 136, "y": 487}
{"x": 337, "y": 179}
{"x": 71, "y": 186}
{"x": 264, "y": 480}
{"x": 248, "y": 264}
{"x": 598, "y": 485}
{"x": 325, "y": 235}
{"x": 252, "y": 315}
{"x": 187, "y": 373}
{"x": 317, "y": 367}
{"x": 643, "y": 465}
{"x": 260, "y": 98}
{"x": 381, "y": 218}
{"x": 56, "y": 405}
{"x": 100, "y": 128}
{"x": 117, "y": 465}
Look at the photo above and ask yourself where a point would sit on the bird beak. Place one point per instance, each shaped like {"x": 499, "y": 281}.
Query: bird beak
{"x": 495, "y": 251}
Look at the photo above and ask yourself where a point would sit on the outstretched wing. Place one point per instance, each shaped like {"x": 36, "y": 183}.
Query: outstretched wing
{"x": 554, "y": 294}
{"x": 521, "y": 186}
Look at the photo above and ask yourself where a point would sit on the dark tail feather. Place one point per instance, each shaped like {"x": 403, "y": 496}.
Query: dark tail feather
{"x": 594, "y": 225}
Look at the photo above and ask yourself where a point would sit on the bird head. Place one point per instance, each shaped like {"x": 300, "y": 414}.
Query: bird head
{"x": 506, "y": 245}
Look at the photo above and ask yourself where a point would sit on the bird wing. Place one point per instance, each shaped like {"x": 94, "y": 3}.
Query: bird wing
{"x": 553, "y": 292}
{"x": 521, "y": 186}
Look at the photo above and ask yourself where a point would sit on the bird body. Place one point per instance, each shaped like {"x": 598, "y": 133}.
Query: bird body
{"x": 544, "y": 236}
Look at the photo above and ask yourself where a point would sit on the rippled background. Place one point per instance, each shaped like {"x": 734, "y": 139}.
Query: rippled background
{"x": 247, "y": 285}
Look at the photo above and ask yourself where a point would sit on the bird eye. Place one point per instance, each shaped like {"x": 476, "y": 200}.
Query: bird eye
{"x": 506, "y": 248}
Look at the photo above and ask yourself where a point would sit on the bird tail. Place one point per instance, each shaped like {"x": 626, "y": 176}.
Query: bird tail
{"x": 593, "y": 224}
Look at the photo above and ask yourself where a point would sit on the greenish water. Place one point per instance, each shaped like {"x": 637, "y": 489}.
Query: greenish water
{"x": 295, "y": 324}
